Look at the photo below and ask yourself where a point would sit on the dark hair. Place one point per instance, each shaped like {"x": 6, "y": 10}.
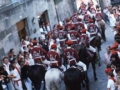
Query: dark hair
{"x": 117, "y": 70}
{"x": 5, "y": 58}
{"x": 13, "y": 61}
{"x": 108, "y": 66}
{"x": 11, "y": 67}
{"x": 35, "y": 38}
{"x": 111, "y": 74}
{"x": 11, "y": 50}
{"x": 115, "y": 56}
{"x": 1, "y": 68}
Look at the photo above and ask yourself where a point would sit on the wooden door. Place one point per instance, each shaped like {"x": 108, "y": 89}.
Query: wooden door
{"x": 21, "y": 29}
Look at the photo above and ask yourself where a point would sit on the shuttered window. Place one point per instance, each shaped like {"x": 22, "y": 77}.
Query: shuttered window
{"x": 57, "y": 1}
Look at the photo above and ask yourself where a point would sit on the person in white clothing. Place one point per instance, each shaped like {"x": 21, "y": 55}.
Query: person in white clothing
{"x": 107, "y": 56}
{"x": 15, "y": 76}
{"x": 111, "y": 83}
{"x": 28, "y": 60}
{"x": 112, "y": 19}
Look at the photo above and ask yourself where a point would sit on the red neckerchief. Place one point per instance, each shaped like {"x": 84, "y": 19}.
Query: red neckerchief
{"x": 112, "y": 79}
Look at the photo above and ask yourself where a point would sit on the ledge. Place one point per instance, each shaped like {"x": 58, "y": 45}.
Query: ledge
{"x": 12, "y": 5}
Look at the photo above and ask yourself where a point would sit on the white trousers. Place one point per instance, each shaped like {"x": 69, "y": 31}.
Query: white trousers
{"x": 79, "y": 64}
{"x": 63, "y": 68}
{"x": 92, "y": 49}
{"x": 18, "y": 85}
{"x": 48, "y": 63}
{"x": 28, "y": 84}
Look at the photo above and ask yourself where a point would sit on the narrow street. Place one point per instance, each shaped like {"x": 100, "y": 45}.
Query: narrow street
{"x": 101, "y": 83}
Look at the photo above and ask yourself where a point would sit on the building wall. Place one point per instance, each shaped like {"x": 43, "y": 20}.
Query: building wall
{"x": 27, "y": 9}
{"x": 65, "y": 9}
{"x": 106, "y": 3}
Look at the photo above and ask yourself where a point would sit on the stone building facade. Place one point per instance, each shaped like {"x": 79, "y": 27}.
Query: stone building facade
{"x": 20, "y": 17}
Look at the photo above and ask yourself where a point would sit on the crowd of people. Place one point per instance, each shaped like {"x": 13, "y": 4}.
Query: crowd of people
{"x": 112, "y": 56}
{"x": 79, "y": 29}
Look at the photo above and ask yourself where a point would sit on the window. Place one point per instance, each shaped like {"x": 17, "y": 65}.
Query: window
{"x": 57, "y": 1}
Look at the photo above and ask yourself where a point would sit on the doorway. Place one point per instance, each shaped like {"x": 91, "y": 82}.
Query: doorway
{"x": 21, "y": 29}
{"x": 43, "y": 18}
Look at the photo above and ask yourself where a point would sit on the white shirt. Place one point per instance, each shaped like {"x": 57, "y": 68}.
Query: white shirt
{"x": 16, "y": 74}
{"x": 42, "y": 37}
{"x": 41, "y": 30}
{"x": 27, "y": 42}
{"x": 115, "y": 74}
{"x": 30, "y": 61}
{"x": 107, "y": 58}
{"x": 112, "y": 20}
{"x": 111, "y": 84}
{"x": 48, "y": 28}
{"x": 7, "y": 67}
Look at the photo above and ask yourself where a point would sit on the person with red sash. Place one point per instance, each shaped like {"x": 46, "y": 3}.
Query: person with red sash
{"x": 15, "y": 76}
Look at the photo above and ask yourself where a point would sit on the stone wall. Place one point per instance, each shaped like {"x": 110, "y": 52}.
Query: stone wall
{"x": 106, "y": 3}
{"x": 27, "y": 9}
{"x": 4, "y": 2}
{"x": 65, "y": 9}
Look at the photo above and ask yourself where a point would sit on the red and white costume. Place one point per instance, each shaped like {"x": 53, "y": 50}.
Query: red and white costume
{"x": 93, "y": 31}
{"x": 62, "y": 37}
{"x": 86, "y": 18}
{"x": 55, "y": 59}
{"x": 99, "y": 17}
{"x": 79, "y": 26}
{"x": 73, "y": 36}
{"x": 39, "y": 55}
{"x": 84, "y": 39}
{"x": 72, "y": 57}
{"x": 68, "y": 26}
{"x": 74, "y": 19}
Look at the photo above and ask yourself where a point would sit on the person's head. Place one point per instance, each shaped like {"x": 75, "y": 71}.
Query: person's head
{"x": 2, "y": 69}
{"x": 26, "y": 55}
{"x": 54, "y": 46}
{"x": 19, "y": 57}
{"x": 113, "y": 65}
{"x": 11, "y": 67}
{"x": 69, "y": 43}
{"x": 114, "y": 56}
{"x": 110, "y": 75}
{"x": 12, "y": 51}
{"x": 108, "y": 49}
{"x": 5, "y": 60}
{"x": 26, "y": 38}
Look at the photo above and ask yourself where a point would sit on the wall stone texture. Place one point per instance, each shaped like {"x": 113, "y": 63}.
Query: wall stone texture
{"x": 27, "y": 9}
